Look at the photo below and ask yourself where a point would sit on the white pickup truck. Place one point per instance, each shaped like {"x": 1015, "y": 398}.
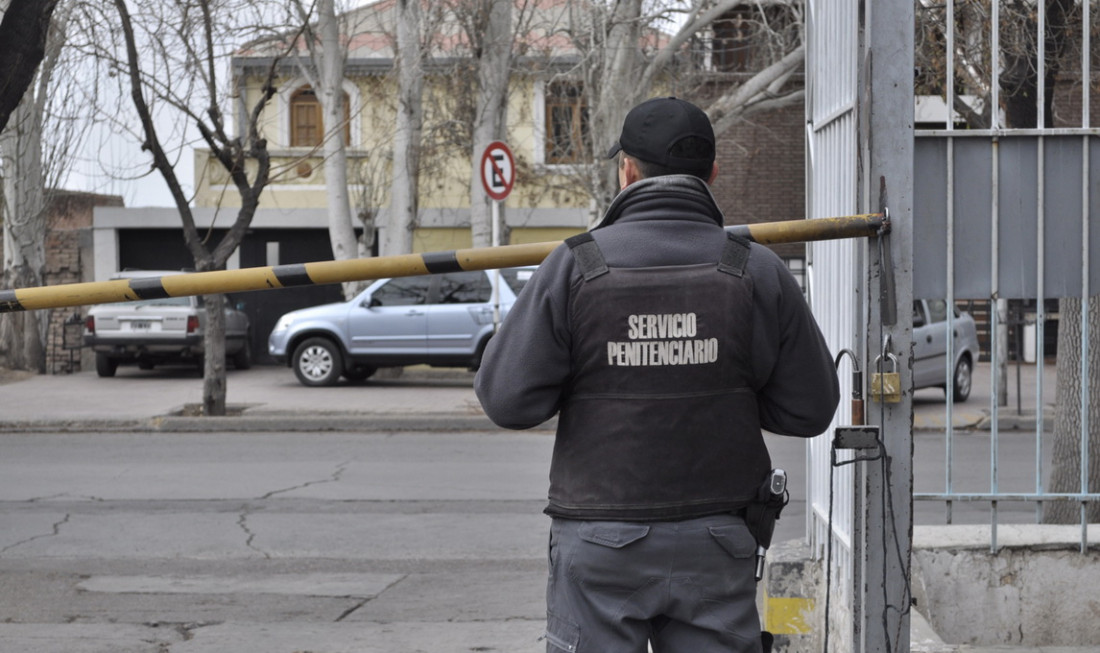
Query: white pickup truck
{"x": 150, "y": 332}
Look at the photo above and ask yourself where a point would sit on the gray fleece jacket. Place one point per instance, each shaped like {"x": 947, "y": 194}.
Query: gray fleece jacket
{"x": 670, "y": 220}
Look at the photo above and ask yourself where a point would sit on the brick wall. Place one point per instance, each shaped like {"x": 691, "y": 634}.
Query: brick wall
{"x": 761, "y": 171}
{"x": 68, "y": 260}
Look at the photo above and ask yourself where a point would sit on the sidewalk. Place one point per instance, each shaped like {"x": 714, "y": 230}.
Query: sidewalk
{"x": 264, "y": 398}
{"x": 975, "y": 414}
{"x": 269, "y": 398}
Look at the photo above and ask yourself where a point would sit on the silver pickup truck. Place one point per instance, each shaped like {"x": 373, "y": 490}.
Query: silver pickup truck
{"x": 154, "y": 331}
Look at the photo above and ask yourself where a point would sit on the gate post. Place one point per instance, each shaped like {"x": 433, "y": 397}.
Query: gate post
{"x": 884, "y": 509}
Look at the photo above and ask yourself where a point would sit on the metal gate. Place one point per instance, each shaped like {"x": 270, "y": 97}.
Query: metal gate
{"x": 994, "y": 212}
{"x": 1003, "y": 217}
{"x": 859, "y": 141}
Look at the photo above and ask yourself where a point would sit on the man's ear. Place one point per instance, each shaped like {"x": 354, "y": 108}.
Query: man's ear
{"x": 628, "y": 172}
{"x": 713, "y": 173}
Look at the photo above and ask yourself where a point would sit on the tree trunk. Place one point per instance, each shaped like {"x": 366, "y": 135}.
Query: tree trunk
{"x": 214, "y": 385}
{"x": 1065, "y": 473}
{"x": 493, "y": 72}
{"x": 330, "y": 62}
{"x": 23, "y": 335}
{"x": 404, "y": 202}
{"x": 613, "y": 94}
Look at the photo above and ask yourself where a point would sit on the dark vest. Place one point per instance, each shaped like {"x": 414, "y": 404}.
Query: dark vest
{"x": 659, "y": 421}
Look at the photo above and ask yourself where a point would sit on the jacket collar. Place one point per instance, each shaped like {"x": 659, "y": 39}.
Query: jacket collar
{"x": 665, "y": 196}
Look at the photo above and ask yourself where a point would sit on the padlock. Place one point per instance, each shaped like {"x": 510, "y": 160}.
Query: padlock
{"x": 886, "y": 386}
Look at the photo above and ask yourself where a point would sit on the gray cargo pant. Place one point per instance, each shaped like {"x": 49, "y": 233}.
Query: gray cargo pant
{"x": 685, "y": 586}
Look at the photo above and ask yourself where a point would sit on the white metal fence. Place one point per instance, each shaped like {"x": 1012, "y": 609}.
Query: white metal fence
{"x": 832, "y": 271}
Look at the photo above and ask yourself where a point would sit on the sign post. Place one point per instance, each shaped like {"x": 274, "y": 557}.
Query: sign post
{"x": 498, "y": 175}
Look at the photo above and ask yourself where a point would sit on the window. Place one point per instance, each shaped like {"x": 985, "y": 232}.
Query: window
{"x": 937, "y": 309}
{"x": 465, "y": 288}
{"x": 307, "y": 127}
{"x": 566, "y": 122}
{"x": 749, "y": 38}
{"x": 402, "y": 291}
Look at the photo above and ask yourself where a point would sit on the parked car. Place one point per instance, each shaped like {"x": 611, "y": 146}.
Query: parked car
{"x": 443, "y": 320}
{"x": 930, "y": 348}
{"x": 150, "y": 332}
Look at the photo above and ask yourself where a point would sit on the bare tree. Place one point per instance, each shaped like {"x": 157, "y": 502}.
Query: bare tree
{"x": 631, "y": 49}
{"x": 177, "y": 65}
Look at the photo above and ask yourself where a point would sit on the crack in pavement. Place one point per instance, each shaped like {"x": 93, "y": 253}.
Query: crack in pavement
{"x": 242, "y": 522}
{"x": 65, "y": 495}
{"x": 334, "y": 478}
{"x": 248, "y": 509}
{"x": 367, "y": 600}
{"x": 186, "y": 631}
{"x": 55, "y": 531}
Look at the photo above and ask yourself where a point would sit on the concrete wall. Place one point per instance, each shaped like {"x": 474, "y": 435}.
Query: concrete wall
{"x": 1038, "y": 590}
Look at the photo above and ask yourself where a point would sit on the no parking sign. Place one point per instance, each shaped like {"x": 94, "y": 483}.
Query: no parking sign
{"x": 498, "y": 170}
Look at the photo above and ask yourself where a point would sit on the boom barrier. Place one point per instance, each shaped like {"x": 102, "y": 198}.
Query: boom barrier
{"x": 405, "y": 265}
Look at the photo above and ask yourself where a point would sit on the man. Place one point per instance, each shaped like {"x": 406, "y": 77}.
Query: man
{"x": 665, "y": 346}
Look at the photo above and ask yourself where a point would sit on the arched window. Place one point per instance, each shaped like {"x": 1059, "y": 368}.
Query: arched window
{"x": 307, "y": 128}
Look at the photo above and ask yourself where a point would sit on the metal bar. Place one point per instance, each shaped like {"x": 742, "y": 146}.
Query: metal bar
{"x": 1085, "y": 333}
{"x": 995, "y": 70}
{"x": 1040, "y": 302}
{"x": 991, "y": 133}
{"x": 1041, "y": 64}
{"x": 405, "y": 265}
{"x": 1009, "y": 496}
{"x": 994, "y": 306}
{"x": 1086, "y": 63}
{"x": 949, "y": 358}
{"x": 949, "y": 51}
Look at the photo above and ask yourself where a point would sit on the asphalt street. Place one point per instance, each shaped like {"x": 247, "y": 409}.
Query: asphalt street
{"x": 387, "y": 516}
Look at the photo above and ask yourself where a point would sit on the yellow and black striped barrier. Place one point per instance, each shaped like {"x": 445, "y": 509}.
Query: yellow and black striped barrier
{"x": 405, "y": 265}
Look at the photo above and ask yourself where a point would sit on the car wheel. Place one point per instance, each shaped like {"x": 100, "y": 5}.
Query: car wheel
{"x": 962, "y": 380}
{"x": 359, "y": 372}
{"x": 105, "y": 365}
{"x": 242, "y": 360}
{"x": 318, "y": 362}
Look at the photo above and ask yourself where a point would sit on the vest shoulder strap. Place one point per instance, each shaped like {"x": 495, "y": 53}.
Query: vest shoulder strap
{"x": 587, "y": 255}
{"x": 735, "y": 255}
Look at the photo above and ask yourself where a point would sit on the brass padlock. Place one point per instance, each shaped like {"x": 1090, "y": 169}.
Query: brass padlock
{"x": 886, "y": 386}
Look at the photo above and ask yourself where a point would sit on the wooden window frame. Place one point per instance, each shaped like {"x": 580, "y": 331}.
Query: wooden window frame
{"x": 566, "y": 107}
{"x": 311, "y": 131}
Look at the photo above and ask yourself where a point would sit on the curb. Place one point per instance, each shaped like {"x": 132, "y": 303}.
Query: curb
{"x": 271, "y": 423}
{"x": 983, "y": 421}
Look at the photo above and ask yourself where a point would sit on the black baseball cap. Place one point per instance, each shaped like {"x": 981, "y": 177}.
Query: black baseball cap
{"x": 655, "y": 126}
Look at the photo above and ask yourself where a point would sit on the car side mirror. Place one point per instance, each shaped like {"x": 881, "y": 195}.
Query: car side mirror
{"x": 918, "y": 321}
